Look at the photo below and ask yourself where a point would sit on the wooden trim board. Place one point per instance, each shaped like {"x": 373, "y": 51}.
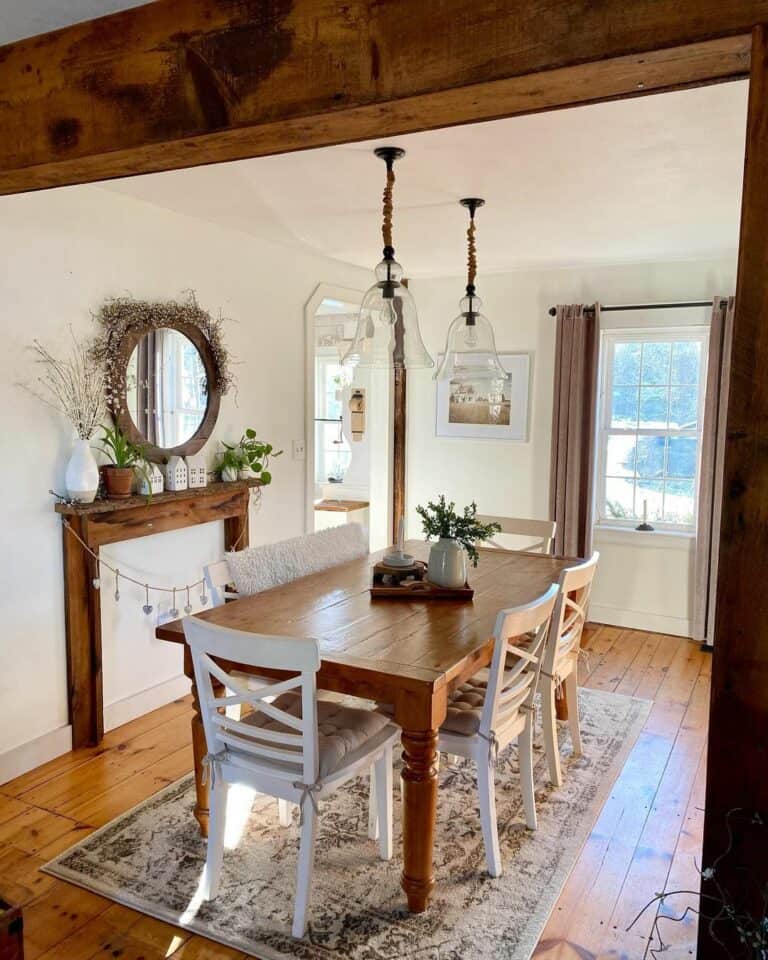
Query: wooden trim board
{"x": 178, "y": 83}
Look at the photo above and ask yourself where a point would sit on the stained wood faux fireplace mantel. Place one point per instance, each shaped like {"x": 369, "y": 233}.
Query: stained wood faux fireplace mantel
{"x": 112, "y": 521}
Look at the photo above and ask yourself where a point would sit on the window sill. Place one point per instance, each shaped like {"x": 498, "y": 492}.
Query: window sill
{"x": 650, "y": 539}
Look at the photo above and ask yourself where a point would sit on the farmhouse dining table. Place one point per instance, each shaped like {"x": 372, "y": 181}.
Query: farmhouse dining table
{"x": 409, "y": 653}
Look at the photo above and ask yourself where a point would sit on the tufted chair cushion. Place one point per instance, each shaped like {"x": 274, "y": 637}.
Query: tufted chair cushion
{"x": 343, "y": 732}
{"x": 465, "y": 707}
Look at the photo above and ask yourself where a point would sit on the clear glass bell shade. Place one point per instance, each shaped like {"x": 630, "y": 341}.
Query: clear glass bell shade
{"x": 377, "y": 342}
{"x": 470, "y": 348}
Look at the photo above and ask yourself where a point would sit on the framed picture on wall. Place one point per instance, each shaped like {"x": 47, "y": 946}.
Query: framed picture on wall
{"x": 479, "y": 412}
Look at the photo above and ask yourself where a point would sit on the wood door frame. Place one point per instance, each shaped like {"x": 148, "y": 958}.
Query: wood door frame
{"x": 166, "y": 86}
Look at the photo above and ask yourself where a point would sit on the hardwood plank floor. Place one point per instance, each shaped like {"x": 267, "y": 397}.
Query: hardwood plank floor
{"x": 648, "y": 833}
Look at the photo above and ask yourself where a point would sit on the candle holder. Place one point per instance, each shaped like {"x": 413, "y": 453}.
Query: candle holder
{"x": 644, "y": 526}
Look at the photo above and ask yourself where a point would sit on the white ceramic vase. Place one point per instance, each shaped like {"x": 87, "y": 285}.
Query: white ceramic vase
{"x": 82, "y": 475}
{"x": 229, "y": 474}
{"x": 447, "y": 564}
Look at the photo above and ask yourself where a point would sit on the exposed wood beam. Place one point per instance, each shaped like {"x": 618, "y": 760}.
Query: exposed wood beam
{"x": 177, "y": 83}
{"x": 738, "y": 748}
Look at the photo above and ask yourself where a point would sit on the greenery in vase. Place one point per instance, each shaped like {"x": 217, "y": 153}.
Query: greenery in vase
{"x": 249, "y": 453}
{"x": 232, "y": 460}
{"x": 441, "y": 520}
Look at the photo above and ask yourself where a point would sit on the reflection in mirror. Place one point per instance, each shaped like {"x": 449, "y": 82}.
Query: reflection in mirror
{"x": 166, "y": 388}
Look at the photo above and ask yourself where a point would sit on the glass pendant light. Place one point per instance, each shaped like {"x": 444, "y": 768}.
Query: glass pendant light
{"x": 470, "y": 348}
{"x": 388, "y": 327}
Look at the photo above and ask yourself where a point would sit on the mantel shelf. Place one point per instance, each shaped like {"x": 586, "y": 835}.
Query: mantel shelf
{"x": 87, "y": 527}
{"x": 158, "y": 499}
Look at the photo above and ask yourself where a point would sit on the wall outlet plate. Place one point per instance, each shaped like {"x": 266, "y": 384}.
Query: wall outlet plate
{"x": 299, "y": 450}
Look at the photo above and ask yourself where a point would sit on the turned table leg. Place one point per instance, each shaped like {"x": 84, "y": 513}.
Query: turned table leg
{"x": 419, "y": 782}
{"x": 561, "y": 703}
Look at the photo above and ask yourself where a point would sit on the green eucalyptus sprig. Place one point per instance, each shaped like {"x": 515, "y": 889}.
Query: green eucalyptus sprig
{"x": 441, "y": 520}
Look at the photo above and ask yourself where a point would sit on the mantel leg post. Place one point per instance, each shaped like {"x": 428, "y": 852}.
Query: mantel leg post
{"x": 236, "y": 528}
{"x": 82, "y": 612}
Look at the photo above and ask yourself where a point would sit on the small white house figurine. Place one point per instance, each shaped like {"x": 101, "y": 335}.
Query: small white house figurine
{"x": 150, "y": 479}
{"x": 197, "y": 473}
{"x": 175, "y": 471}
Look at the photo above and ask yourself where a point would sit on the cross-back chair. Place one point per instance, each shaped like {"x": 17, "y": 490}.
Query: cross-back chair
{"x": 291, "y": 746}
{"x": 491, "y": 710}
{"x": 543, "y": 532}
{"x": 561, "y": 658}
{"x": 218, "y": 579}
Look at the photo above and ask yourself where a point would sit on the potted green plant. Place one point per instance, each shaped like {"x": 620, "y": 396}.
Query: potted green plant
{"x": 125, "y": 458}
{"x": 231, "y": 462}
{"x": 248, "y": 458}
{"x": 458, "y": 534}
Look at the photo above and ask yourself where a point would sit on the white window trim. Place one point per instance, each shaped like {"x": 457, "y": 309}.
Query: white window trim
{"x": 608, "y": 340}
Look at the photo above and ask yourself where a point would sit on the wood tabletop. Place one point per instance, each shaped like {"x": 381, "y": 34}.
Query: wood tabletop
{"x": 417, "y": 640}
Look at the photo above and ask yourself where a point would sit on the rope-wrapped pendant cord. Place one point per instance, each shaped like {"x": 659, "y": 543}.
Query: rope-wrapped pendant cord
{"x": 471, "y": 252}
{"x": 386, "y": 226}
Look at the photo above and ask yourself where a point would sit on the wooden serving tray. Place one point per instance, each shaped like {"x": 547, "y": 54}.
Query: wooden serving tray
{"x": 411, "y": 584}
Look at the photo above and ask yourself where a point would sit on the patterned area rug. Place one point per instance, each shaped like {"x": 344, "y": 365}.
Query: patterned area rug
{"x": 151, "y": 859}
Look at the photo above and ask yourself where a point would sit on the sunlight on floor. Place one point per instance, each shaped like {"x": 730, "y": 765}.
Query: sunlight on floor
{"x": 239, "y": 803}
{"x": 194, "y": 904}
{"x": 174, "y": 945}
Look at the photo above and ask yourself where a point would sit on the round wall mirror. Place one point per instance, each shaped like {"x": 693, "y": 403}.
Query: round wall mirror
{"x": 166, "y": 388}
{"x": 169, "y": 405}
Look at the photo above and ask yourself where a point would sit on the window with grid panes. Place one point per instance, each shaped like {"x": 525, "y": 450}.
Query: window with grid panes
{"x": 651, "y": 403}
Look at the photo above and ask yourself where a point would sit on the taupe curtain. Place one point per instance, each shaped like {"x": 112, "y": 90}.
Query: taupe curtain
{"x": 146, "y": 401}
{"x": 711, "y": 469}
{"x": 574, "y": 415}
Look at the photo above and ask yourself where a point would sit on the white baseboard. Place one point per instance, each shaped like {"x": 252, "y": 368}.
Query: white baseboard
{"x": 33, "y": 753}
{"x": 639, "y": 620}
{"x": 123, "y": 711}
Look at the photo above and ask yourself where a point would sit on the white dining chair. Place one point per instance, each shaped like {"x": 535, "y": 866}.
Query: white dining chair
{"x": 218, "y": 579}
{"x": 542, "y": 530}
{"x": 561, "y": 659}
{"x": 292, "y": 746}
{"x": 488, "y": 712}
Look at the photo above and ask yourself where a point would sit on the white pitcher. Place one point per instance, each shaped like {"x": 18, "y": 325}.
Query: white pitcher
{"x": 447, "y": 564}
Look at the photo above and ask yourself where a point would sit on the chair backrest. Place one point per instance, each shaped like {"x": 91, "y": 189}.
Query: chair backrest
{"x": 260, "y": 568}
{"x": 510, "y": 688}
{"x": 284, "y": 754}
{"x": 570, "y": 613}
{"x": 543, "y": 532}
{"x": 217, "y": 578}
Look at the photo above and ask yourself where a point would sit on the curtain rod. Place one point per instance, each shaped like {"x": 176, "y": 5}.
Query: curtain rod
{"x": 646, "y": 306}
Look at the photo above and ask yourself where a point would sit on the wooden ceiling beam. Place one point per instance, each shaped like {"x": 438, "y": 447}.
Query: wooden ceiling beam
{"x": 178, "y": 83}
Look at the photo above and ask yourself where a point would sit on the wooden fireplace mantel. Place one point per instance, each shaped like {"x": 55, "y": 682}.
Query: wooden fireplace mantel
{"x": 111, "y": 521}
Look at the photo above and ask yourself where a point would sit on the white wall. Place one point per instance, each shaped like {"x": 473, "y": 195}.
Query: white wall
{"x": 63, "y": 252}
{"x": 646, "y": 588}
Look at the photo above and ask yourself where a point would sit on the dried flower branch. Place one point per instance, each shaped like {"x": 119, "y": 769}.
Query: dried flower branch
{"x": 74, "y": 386}
{"x": 122, "y": 316}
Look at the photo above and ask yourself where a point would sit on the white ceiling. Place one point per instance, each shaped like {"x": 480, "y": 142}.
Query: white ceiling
{"x": 653, "y": 178}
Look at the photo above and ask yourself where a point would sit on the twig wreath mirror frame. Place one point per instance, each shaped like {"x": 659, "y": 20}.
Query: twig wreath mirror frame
{"x": 123, "y": 322}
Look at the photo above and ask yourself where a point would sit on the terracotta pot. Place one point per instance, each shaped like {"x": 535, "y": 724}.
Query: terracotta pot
{"x": 119, "y": 482}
